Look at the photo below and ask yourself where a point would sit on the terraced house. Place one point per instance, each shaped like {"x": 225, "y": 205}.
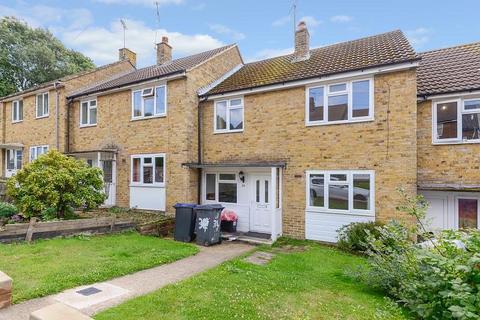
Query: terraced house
{"x": 296, "y": 145}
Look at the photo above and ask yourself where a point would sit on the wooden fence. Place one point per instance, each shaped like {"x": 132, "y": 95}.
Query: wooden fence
{"x": 42, "y": 230}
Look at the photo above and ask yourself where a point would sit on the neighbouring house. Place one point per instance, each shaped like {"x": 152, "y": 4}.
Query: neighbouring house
{"x": 35, "y": 120}
{"x": 296, "y": 145}
{"x": 448, "y": 130}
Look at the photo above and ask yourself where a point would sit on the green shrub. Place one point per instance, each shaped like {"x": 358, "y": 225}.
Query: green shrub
{"x": 439, "y": 280}
{"x": 7, "y": 210}
{"x": 52, "y": 185}
{"x": 353, "y": 237}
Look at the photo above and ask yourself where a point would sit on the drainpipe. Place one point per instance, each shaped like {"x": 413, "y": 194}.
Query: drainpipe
{"x": 67, "y": 133}
{"x": 57, "y": 116}
{"x": 199, "y": 152}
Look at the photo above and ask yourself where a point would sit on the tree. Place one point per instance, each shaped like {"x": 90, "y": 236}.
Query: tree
{"x": 52, "y": 185}
{"x": 30, "y": 56}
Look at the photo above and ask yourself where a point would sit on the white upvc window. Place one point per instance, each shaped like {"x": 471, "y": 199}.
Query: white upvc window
{"x": 228, "y": 115}
{"x": 341, "y": 191}
{"x": 148, "y": 170}
{"x": 17, "y": 111}
{"x": 42, "y": 105}
{"x": 339, "y": 102}
{"x": 221, "y": 187}
{"x": 149, "y": 102}
{"x": 456, "y": 121}
{"x": 88, "y": 113}
{"x": 37, "y": 151}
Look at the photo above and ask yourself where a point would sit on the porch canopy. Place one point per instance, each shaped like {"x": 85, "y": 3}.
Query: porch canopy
{"x": 11, "y": 146}
{"x": 262, "y": 164}
{"x": 448, "y": 187}
{"x": 103, "y": 154}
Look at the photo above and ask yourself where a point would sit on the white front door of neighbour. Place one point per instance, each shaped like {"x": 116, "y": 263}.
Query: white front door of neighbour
{"x": 261, "y": 204}
{"x": 13, "y": 160}
{"x": 108, "y": 167}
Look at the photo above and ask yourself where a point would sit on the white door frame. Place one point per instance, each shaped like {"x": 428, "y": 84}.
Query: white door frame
{"x": 265, "y": 206}
{"x": 112, "y": 194}
{"x": 11, "y": 172}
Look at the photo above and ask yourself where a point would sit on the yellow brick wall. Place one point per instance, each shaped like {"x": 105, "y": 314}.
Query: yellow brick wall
{"x": 274, "y": 129}
{"x": 444, "y": 164}
{"x": 175, "y": 134}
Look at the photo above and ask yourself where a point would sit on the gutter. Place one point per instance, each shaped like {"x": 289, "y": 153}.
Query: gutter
{"x": 448, "y": 94}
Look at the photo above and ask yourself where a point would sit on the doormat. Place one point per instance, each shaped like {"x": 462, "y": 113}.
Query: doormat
{"x": 257, "y": 235}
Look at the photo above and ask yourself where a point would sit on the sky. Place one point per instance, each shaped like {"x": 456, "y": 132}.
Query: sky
{"x": 261, "y": 28}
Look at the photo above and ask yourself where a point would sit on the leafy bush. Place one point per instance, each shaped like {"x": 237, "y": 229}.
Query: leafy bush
{"x": 52, "y": 185}
{"x": 353, "y": 237}
{"x": 7, "y": 210}
{"x": 439, "y": 280}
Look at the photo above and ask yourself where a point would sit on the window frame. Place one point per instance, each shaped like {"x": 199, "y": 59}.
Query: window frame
{"x": 460, "y": 112}
{"x": 217, "y": 182}
{"x": 142, "y": 101}
{"x": 349, "y": 182}
{"x": 142, "y": 159}
{"x": 30, "y": 155}
{"x": 44, "y": 114}
{"x": 89, "y": 107}
{"x": 16, "y": 105}
{"x": 349, "y": 92}
{"x": 228, "y": 109}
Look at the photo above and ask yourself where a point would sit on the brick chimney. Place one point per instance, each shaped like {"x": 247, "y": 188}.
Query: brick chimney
{"x": 302, "y": 43}
{"x": 164, "y": 51}
{"x": 127, "y": 54}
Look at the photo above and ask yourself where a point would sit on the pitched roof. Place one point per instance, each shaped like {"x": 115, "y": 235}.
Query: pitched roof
{"x": 383, "y": 49}
{"x": 154, "y": 72}
{"x": 449, "y": 70}
{"x": 59, "y": 80}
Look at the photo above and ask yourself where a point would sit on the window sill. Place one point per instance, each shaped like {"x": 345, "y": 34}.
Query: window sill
{"x": 143, "y": 185}
{"x": 227, "y": 131}
{"x": 17, "y": 121}
{"x": 41, "y": 117}
{"x": 148, "y": 118}
{"x": 88, "y": 125}
{"x": 344, "y": 212}
{"x": 324, "y": 123}
{"x": 457, "y": 142}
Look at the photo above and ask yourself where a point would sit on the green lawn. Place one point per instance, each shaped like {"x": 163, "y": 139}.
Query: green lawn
{"x": 295, "y": 285}
{"x": 50, "y": 266}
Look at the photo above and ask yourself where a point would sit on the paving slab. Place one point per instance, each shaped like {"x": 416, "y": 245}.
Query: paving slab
{"x": 133, "y": 285}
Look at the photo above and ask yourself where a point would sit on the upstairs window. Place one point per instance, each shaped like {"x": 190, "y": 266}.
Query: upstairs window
{"x": 349, "y": 101}
{"x": 17, "y": 110}
{"x": 149, "y": 102}
{"x": 228, "y": 115}
{"x": 37, "y": 151}
{"x": 88, "y": 113}
{"x": 42, "y": 105}
{"x": 340, "y": 191}
{"x": 148, "y": 170}
{"x": 456, "y": 121}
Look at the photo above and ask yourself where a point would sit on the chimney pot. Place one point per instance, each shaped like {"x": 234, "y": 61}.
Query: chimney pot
{"x": 164, "y": 51}
{"x": 302, "y": 43}
{"x": 127, "y": 54}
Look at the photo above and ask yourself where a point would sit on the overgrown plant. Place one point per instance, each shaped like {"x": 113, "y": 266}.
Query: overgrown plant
{"x": 438, "y": 280}
{"x": 52, "y": 185}
{"x": 353, "y": 237}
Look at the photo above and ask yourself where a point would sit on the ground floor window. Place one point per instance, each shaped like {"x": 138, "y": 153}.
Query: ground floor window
{"x": 467, "y": 213}
{"x": 14, "y": 159}
{"x": 37, "y": 151}
{"x": 148, "y": 170}
{"x": 221, "y": 187}
{"x": 340, "y": 191}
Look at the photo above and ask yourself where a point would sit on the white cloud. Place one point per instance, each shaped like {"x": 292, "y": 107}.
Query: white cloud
{"x": 341, "y": 18}
{"x": 310, "y": 21}
{"x": 101, "y": 44}
{"x": 270, "y": 53}
{"x": 418, "y": 37}
{"x": 221, "y": 29}
{"x": 148, "y": 3}
{"x": 281, "y": 21}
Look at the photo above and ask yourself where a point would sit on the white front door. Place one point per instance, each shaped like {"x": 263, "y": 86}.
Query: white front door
{"x": 109, "y": 171}
{"x": 13, "y": 160}
{"x": 261, "y": 204}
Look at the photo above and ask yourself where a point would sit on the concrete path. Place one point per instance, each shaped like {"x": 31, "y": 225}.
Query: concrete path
{"x": 118, "y": 290}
